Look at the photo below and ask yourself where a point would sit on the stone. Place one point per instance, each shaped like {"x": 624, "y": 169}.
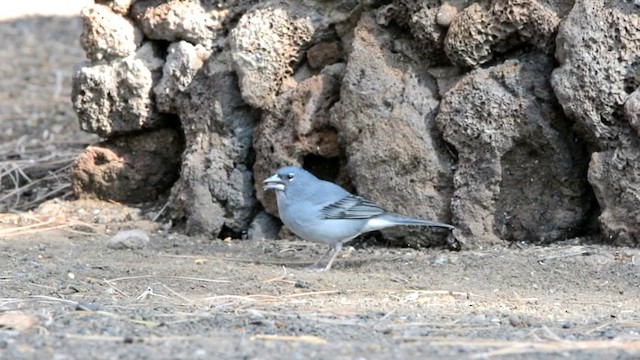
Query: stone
{"x": 598, "y": 71}
{"x": 182, "y": 63}
{"x": 264, "y": 227}
{"x": 323, "y": 54}
{"x": 385, "y": 122}
{"x": 615, "y": 177}
{"x": 484, "y": 28}
{"x": 129, "y": 168}
{"x": 598, "y": 77}
{"x": 264, "y": 43}
{"x": 520, "y": 171}
{"x": 297, "y": 131}
{"x": 120, "y": 7}
{"x": 107, "y": 35}
{"x": 116, "y": 97}
{"x": 421, "y": 18}
{"x": 198, "y": 22}
{"x": 128, "y": 239}
{"x": 215, "y": 189}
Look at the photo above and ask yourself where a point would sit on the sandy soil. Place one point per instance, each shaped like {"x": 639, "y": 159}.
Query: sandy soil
{"x": 65, "y": 295}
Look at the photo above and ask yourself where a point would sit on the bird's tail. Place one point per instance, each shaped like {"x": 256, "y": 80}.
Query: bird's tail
{"x": 400, "y": 220}
{"x": 389, "y": 220}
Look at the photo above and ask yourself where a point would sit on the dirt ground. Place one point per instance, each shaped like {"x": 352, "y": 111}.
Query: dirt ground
{"x": 65, "y": 295}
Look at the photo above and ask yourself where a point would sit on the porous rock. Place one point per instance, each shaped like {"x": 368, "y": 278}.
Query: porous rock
{"x": 264, "y": 43}
{"x": 116, "y": 97}
{"x": 297, "y": 131}
{"x": 598, "y": 47}
{"x": 520, "y": 174}
{"x": 421, "y": 17}
{"x": 195, "y": 21}
{"x": 215, "y": 190}
{"x": 385, "y": 122}
{"x": 486, "y": 27}
{"x": 182, "y": 63}
{"x": 615, "y": 177}
{"x": 598, "y": 51}
{"x": 107, "y": 35}
{"x": 118, "y": 6}
{"x": 128, "y": 168}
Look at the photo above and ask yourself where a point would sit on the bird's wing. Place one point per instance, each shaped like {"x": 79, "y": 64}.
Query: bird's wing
{"x": 352, "y": 207}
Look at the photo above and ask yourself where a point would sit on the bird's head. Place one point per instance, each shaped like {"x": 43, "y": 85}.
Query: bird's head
{"x": 286, "y": 177}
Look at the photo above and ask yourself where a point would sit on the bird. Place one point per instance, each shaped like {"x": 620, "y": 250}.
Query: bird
{"x": 323, "y": 212}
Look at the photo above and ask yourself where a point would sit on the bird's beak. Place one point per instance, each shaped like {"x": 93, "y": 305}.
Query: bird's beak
{"x": 273, "y": 183}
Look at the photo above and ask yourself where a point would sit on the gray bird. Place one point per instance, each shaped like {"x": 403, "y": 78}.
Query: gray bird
{"x": 323, "y": 212}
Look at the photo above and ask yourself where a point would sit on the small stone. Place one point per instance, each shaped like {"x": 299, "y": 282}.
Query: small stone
{"x": 323, "y": 54}
{"x": 128, "y": 239}
{"x": 446, "y": 14}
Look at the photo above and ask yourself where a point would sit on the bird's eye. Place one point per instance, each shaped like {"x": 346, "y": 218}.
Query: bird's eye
{"x": 290, "y": 176}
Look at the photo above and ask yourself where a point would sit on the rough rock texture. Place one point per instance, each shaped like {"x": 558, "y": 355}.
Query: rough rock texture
{"x": 118, "y": 6}
{"x": 351, "y": 90}
{"x": 615, "y": 177}
{"x": 198, "y": 22}
{"x": 129, "y": 168}
{"x": 520, "y": 176}
{"x": 265, "y": 42}
{"x": 297, "y": 129}
{"x": 215, "y": 190}
{"x": 385, "y": 121}
{"x": 264, "y": 226}
{"x": 107, "y": 35}
{"x": 598, "y": 47}
{"x": 116, "y": 97}
{"x": 421, "y": 17}
{"x": 487, "y": 27}
{"x": 182, "y": 63}
{"x": 323, "y": 54}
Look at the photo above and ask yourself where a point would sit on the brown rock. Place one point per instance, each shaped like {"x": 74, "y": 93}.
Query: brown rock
{"x": 323, "y": 54}
{"x": 520, "y": 175}
{"x": 130, "y": 168}
{"x": 483, "y": 28}
{"x": 107, "y": 35}
{"x": 385, "y": 121}
{"x": 298, "y": 132}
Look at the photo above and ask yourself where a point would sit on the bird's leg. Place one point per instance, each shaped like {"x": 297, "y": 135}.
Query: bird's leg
{"x": 336, "y": 249}
{"x": 315, "y": 264}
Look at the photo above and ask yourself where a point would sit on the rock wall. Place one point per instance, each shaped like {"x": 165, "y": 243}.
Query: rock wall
{"x": 515, "y": 120}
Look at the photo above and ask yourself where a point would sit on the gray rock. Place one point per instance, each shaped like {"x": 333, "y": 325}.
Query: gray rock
{"x": 615, "y": 177}
{"x": 297, "y": 131}
{"x": 128, "y": 239}
{"x": 182, "y": 63}
{"x": 216, "y": 184}
{"x": 107, "y": 35}
{"x": 385, "y": 121}
{"x": 198, "y": 22}
{"x": 484, "y": 28}
{"x": 272, "y": 37}
{"x": 265, "y": 42}
{"x": 598, "y": 70}
{"x": 598, "y": 48}
{"x": 116, "y": 97}
{"x": 264, "y": 226}
{"x": 520, "y": 176}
